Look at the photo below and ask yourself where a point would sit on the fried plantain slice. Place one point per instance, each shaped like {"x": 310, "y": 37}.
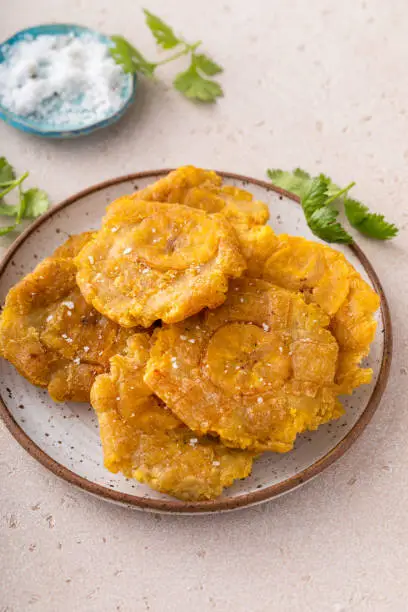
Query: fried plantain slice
{"x": 203, "y": 189}
{"x": 155, "y": 261}
{"x": 51, "y": 335}
{"x": 176, "y": 187}
{"x": 257, "y": 371}
{"x": 144, "y": 440}
{"x": 326, "y": 278}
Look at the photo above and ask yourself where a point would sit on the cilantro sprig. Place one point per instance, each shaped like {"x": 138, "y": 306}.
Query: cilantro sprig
{"x": 130, "y": 58}
{"x": 192, "y": 82}
{"x": 31, "y": 203}
{"x": 320, "y": 199}
{"x": 164, "y": 35}
{"x": 373, "y": 225}
{"x": 320, "y": 217}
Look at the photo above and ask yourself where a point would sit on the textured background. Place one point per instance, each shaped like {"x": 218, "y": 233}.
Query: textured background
{"x": 320, "y": 84}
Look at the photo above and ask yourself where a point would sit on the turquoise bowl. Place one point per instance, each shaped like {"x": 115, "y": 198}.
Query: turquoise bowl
{"x": 48, "y": 130}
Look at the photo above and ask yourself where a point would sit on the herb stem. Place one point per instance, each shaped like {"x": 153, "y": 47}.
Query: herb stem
{"x": 195, "y": 46}
{"x": 187, "y": 49}
{"x": 6, "y": 230}
{"x": 339, "y": 193}
{"x": 22, "y": 207}
{"x": 14, "y": 184}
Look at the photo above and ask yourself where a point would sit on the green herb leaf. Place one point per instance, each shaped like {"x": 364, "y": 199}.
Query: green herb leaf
{"x": 13, "y": 184}
{"x": 7, "y": 177}
{"x": 206, "y": 64}
{"x": 302, "y": 184}
{"x": 163, "y": 33}
{"x": 370, "y": 224}
{"x": 320, "y": 217}
{"x": 298, "y": 182}
{"x": 191, "y": 84}
{"x": 301, "y": 174}
{"x": 36, "y": 202}
{"x": 130, "y": 58}
{"x": 356, "y": 211}
{"x": 31, "y": 203}
{"x": 15, "y": 210}
{"x": 323, "y": 223}
{"x": 316, "y": 196}
{"x": 6, "y": 171}
{"x": 8, "y": 210}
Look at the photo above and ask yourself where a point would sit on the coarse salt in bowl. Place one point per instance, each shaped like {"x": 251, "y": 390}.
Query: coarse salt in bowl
{"x": 59, "y": 81}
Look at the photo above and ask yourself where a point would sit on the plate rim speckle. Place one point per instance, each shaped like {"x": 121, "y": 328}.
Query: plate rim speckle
{"x": 225, "y": 503}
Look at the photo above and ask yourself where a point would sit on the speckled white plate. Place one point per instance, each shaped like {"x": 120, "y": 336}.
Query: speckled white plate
{"x": 64, "y": 437}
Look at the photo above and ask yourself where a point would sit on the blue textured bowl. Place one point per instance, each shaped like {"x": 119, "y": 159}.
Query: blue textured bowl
{"x": 48, "y": 130}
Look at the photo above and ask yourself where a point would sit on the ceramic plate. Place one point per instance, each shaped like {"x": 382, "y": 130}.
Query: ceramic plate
{"x": 64, "y": 437}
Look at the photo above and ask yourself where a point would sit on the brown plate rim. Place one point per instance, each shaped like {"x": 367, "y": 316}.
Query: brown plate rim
{"x": 227, "y": 503}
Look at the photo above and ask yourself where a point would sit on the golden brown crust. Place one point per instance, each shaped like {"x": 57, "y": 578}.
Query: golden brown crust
{"x": 51, "y": 335}
{"x": 144, "y": 440}
{"x": 157, "y": 261}
{"x": 202, "y": 189}
{"x": 187, "y": 411}
{"x": 176, "y": 187}
{"x": 326, "y": 278}
{"x": 256, "y": 371}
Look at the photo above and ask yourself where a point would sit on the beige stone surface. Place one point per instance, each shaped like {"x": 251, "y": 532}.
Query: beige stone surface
{"x": 320, "y": 84}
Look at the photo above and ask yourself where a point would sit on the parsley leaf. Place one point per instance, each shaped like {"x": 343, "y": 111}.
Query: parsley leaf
{"x": 303, "y": 185}
{"x": 320, "y": 217}
{"x": 163, "y": 33}
{"x": 7, "y": 173}
{"x": 355, "y": 211}
{"x": 31, "y": 203}
{"x": 315, "y": 196}
{"x": 299, "y": 173}
{"x": 8, "y": 210}
{"x": 323, "y": 223}
{"x": 370, "y": 224}
{"x": 130, "y": 58}
{"x": 298, "y": 182}
{"x": 191, "y": 82}
{"x": 36, "y": 202}
{"x": 194, "y": 86}
{"x": 206, "y": 64}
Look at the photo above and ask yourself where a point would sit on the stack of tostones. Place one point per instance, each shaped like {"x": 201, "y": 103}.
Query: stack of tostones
{"x": 145, "y": 440}
{"x": 256, "y": 335}
{"x": 50, "y": 333}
